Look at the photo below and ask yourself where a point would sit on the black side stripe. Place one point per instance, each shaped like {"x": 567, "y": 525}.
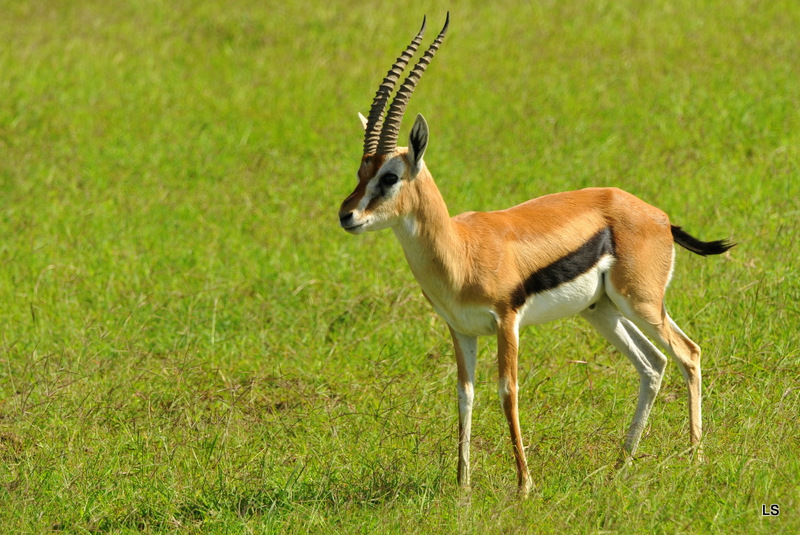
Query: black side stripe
{"x": 565, "y": 269}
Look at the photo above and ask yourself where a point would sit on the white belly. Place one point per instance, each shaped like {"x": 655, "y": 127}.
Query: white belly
{"x": 566, "y": 299}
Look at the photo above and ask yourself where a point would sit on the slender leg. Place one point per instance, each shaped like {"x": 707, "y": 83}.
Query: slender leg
{"x": 656, "y": 323}
{"x": 466, "y": 357}
{"x": 507, "y": 344}
{"x": 686, "y": 355}
{"x": 649, "y": 362}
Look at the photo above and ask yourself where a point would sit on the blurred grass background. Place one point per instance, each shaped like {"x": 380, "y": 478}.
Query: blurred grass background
{"x": 189, "y": 342}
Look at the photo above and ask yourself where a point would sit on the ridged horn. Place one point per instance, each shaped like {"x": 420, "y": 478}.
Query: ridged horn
{"x": 387, "y": 142}
{"x": 375, "y": 119}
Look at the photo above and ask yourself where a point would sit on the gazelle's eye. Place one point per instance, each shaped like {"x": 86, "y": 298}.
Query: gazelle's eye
{"x": 389, "y": 179}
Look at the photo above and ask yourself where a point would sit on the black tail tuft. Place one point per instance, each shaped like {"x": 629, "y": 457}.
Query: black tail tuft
{"x": 703, "y": 248}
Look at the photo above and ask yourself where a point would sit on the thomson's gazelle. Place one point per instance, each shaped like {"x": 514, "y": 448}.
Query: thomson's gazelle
{"x": 598, "y": 252}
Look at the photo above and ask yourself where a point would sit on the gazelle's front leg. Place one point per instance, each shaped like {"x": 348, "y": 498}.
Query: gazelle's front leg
{"x": 507, "y": 344}
{"x": 466, "y": 357}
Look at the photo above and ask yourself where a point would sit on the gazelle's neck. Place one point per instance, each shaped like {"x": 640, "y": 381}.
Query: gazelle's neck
{"x": 430, "y": 241}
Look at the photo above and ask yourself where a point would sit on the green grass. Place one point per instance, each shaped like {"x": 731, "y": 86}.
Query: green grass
{"x": 189, "y": 343}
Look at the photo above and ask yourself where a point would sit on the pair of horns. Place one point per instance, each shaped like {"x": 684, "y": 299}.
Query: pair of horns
{"x": 381, "y": 138}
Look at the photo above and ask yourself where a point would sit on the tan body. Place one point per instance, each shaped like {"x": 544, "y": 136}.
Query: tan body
{"x": 599, "y": 252}
{"x": 483, "y": 256}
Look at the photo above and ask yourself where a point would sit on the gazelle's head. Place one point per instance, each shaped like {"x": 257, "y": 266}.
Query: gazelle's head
{"x": 385, "y": 191}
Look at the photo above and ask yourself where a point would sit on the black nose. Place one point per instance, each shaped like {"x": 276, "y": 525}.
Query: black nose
{"x": 346, "y": 219}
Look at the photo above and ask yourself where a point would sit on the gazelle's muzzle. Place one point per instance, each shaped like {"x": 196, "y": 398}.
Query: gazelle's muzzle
{"x": 347, "y": 212}
{"x": 348, "y": 222}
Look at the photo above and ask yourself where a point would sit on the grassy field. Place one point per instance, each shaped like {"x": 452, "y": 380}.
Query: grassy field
{"x": 188, "y": 342}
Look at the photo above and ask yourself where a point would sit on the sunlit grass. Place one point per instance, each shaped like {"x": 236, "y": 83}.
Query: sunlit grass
{"x": 190, "y": 343}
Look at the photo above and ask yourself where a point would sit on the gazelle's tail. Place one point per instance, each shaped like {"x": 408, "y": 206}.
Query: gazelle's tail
{"x": 703, "y": 248}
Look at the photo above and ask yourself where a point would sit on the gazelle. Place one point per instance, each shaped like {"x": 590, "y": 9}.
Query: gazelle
{"x": 598, "y": 252}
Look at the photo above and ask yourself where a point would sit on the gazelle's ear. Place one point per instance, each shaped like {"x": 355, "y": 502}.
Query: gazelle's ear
{"x": 418, "y": 142}
{"x": 363, "y": 120}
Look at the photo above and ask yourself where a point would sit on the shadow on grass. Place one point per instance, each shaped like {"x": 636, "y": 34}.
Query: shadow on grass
{"x": 270, "y": 505}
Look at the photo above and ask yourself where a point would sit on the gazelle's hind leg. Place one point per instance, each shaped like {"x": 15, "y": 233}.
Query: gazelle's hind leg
{"x": 649, "y": 362}
{"x": 654, "y": 321}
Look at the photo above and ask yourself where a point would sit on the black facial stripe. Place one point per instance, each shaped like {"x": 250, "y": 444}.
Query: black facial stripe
{"x": 566, "y": 268}
{"x": 381, "y": 189}
{"x": 374, "y": 201}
